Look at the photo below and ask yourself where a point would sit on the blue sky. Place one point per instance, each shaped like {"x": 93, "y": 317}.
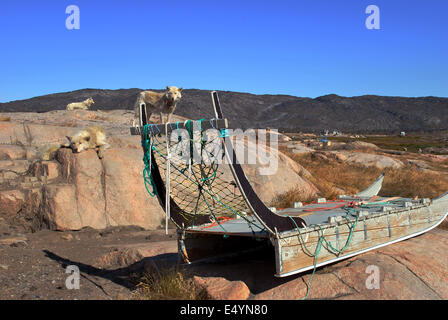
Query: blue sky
{"x": 300, "y": 47}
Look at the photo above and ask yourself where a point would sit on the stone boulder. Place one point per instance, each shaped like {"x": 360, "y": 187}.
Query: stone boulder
{"x": 297, "y": 147}
{"x": 128, "y": 254}
{"x": 11, "y": 202}
{"x": 12, "y": 152}
{"x": 368, "y": 159}
{"x": 29, "y": 134}
{"x": 127, "y": 202}
{"x": 420, "y": 164}
{"x": 280, "y": 136}
{"x": 46, "y": 170}
{"x": 222, "y": 289}
{"x": 101, "y": 193}
{"x": 14, "y": 241}
{"x": 60, "y": 207}
{"x": 88, "y": 178}
{"x": 272, "y": 172}
{"x": 359, "y": 145}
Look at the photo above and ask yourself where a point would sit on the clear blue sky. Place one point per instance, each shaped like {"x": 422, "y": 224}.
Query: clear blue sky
{"x": 299, "y": 47}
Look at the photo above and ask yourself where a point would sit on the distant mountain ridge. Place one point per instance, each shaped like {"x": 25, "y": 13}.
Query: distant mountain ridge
{"x": 363, "y": 114}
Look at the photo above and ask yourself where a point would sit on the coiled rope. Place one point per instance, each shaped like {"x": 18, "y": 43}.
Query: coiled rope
{"x": 147, "y": 146}
{"x": 324, "y": 242}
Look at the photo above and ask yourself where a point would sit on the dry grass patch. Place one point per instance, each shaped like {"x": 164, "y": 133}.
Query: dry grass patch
{"x": 169, "y": 283}
{"x": 412, "y": 143}
{"x": 287, "y": 199}
{"x": 4, "y": 118}
{"x": 412, "y": 182}
{"x": 333, "y": 177}
{"x": 439, "y": 165}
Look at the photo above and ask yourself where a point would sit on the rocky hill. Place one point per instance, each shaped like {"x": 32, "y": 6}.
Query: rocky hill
{"x": 363, "y": 114}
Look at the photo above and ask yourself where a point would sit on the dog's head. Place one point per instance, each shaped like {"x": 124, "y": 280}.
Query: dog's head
{"x": 79, "y": 144}
{"x": 90, "y": 100}
{"x": 173, "y": 95}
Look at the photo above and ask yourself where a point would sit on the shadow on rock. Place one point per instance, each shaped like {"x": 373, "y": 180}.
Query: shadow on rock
{"x": 256, "y": 269}
{"x": 123, "y": 276}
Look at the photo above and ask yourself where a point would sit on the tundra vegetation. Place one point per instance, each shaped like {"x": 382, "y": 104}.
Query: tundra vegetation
{"x": 166, "y": 283}
{"x": 333, "y": 178}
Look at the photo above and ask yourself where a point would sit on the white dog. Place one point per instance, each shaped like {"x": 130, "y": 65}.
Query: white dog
{"x": 91, "y": 138}
{"x": 81, "y": 105}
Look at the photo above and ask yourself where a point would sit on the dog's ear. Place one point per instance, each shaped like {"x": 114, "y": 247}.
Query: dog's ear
{"x": 87, "y": 138}
{"x": 180, "y": 89}
{"x": 69, "y": 138}
{"x": 167, "y": 88}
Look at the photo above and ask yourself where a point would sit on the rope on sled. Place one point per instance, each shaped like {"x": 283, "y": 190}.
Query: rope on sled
{"x": 324, "y": 242}
{"x": 147, "y": 146}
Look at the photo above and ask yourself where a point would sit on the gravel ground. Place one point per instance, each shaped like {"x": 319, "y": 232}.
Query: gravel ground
{"x": 33, "y": 266}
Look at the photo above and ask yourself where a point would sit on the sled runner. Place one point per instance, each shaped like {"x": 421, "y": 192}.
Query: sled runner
{"x": 193, "y": 170}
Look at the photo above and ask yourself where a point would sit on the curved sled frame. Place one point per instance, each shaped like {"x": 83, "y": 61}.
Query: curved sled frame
{"x": 270, "y": 220}
{"x": 373, "y": 189}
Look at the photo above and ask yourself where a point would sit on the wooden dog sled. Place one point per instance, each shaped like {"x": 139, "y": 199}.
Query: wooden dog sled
{"x": 216, "y": 211}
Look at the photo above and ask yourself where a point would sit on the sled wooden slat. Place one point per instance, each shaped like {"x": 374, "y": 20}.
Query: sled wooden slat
{"x": 292, "y": 258}
{"x": 160, "y": 128}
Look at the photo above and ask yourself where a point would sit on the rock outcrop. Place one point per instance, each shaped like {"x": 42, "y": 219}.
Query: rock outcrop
{"x": 274, "y": 173}
{"x": 222, "y": 289}
{"x": 100, "y": 193}
{"x": 78, "y": 190}
{"x": 368, "y": 159}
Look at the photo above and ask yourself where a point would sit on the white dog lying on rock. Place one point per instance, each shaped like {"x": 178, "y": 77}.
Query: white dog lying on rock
{"x": 90, "y": 138}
